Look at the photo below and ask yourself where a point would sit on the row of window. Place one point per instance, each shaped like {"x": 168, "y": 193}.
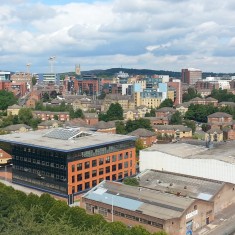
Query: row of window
{"x": 41, "y": 183}
{"x": 103, "y": 150}
{"x": 93, "y": 183}
{"x": 104, "y": 212}
{"x": 37, "y": 151}
{"x": 39, "y": 162}
{"x": 101, "y": 161}
{"x": 40, "y": 172}
{"x": 94, "y": 173}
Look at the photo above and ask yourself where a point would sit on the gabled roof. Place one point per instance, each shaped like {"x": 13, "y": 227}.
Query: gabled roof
{"x": 14, "y": 106}
{"x": 16, "y": 127}
{"x": 185, "y": 105}
{"x": 142, "y": 132}
{"x": 196, "y": 99}
{"x": 219, "y": 115}
{"x": 49, "y": 123}
{"x": 211, "y": 99}
{"x": 214, "y": 130}
{"x": 172, "y": 127}
{"x": 91, "y": 115}
{"x": 166, "y": 109}
{"x": 105, "y": 125}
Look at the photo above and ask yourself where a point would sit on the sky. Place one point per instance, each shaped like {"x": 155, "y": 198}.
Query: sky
{"x": 141, "y": 34}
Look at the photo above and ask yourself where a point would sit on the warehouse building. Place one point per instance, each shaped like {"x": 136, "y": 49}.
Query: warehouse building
{"x": 154, "y": 209}
{"x": 221, "y": 194}
{"x": 217, "y": 163}
{"x": 69, "y": 161}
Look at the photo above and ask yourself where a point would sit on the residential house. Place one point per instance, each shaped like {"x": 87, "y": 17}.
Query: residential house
{"x": 17, "y": 128}
{"x": 13, "y": 110}
{"x": 147, "y": 137}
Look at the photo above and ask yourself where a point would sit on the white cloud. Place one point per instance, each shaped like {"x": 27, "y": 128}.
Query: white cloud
{"x": 157, "y": 34}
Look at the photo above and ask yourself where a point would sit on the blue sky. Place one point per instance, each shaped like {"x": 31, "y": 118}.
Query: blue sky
{"x": 152, "y": 34}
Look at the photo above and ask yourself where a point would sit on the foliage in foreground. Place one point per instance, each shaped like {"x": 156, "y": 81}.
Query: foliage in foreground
{"x": 22, "y": 214}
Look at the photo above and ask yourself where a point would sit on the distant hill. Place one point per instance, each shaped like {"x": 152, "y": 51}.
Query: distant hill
{"x": 111, "y": 72}
{"x": 148, "y": 72}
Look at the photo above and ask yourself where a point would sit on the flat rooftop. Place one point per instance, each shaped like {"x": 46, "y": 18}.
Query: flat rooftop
{"x": 146, "y": 201}
{"x": 64, "y": 139}
{"x": 224, "y": 152}
{"x": 193, "y": 187}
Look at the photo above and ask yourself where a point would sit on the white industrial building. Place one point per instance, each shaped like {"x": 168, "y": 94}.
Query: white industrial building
{"x": 217, "y": 163}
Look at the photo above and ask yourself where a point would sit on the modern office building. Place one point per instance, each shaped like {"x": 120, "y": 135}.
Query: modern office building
{"x": 190, "y": 76}
{"x": 69, "y": 161}
{"x": 5, "y": 76}
{"x": 49, "y": 78}
{"x": 89, "y": 84}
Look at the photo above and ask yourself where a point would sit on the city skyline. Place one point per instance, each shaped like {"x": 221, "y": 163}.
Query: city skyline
{"x": 152, "y": 34}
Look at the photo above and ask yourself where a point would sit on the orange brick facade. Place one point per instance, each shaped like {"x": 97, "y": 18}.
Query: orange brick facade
{"x": 88, "y": 172}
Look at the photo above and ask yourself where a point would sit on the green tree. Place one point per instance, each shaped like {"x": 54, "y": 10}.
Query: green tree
{"x": 190, "y": 124}
{"x": 103, "y": 117}
{"x": 6, "y": 99}
{"x": 132, "y": 125}
{"x": 166, "y": 103}
{"x": 152, "y": 113}
{"x": 102, "y": 95}
{"x": 205, "y": 127}
{"x": 34, "y": 122}
{"x": 79, "y": 114}
{"x": 131, "y": 181}
{"x": 34, "y": 80}
{"x": 115, "y": 112}
{"x": 25, "y": 115}
{"x": 138, "y": 146}
{"x": 176, "y": 118}
{"x": 45, "y": 97}
{"x": 56, "y": 117}
{"x": 120, "y": 127}
{"x": 190, "y": 94}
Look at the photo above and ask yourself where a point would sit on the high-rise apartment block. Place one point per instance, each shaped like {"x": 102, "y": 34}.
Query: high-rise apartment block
{"x": 190, "y": 76}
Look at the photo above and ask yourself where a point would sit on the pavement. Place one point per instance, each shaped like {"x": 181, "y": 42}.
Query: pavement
{"x": 223, "y": 224}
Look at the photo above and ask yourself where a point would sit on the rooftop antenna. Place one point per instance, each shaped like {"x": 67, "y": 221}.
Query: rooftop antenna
{"x": 52, "y": 61}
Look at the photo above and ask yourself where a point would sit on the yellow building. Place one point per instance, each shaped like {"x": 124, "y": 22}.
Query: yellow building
{"x": 183, "y": 108}
{"x": 151, "y": 102}
{"x": 127, "y": 102}
{"x": 171, "y": 95}
{"x": 13, "y": 110}
{"x": 182, "y": 131}
{"x": 215, "y": 135}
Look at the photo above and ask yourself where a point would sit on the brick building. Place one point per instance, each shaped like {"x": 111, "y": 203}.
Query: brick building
{"x": 190, "y": 76}
{"x": 147, "y": 137}
{"x": 175, "y": 203}
{"x": 47, "y": 115}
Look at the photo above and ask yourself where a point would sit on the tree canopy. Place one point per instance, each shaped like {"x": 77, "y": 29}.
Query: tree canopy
{"x": 6, "y": 99}
{"x": 190, "y": 94}
{"x": 115, "y": 112}
{"x": 176, "y": 118}
{"x": 22, "y": 214}
{"x": 222, "y": 95}
{"x": 25, "y": 115}
{"x": 166, "y": 103}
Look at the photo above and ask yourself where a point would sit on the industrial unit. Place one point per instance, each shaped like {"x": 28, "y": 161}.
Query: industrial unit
{"x": 217, "y": 163}
{"x": 175, "y": 203}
